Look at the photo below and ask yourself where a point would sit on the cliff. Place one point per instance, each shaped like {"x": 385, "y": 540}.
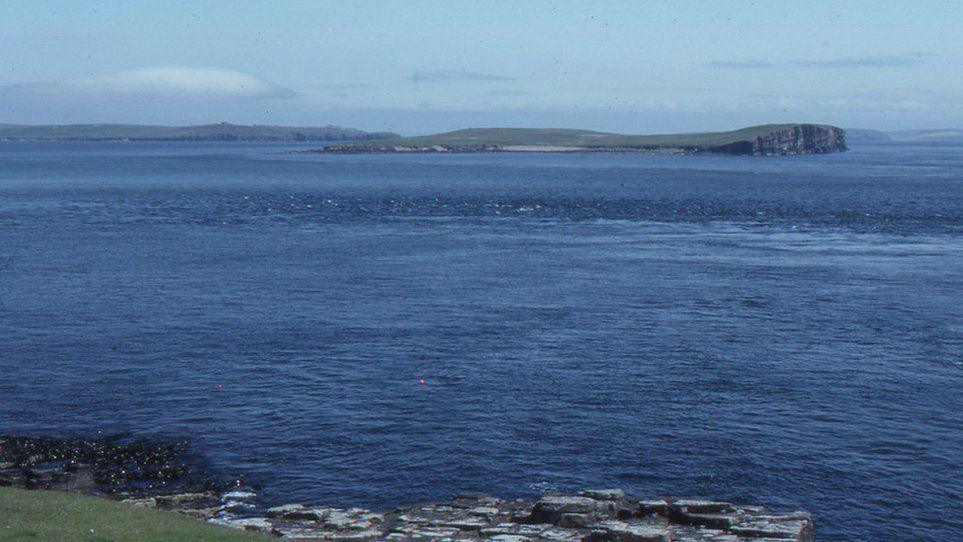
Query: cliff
{"x": 802, "y": 139}
{"x": 798, "y": 139}
{"x": 764, "y": 140}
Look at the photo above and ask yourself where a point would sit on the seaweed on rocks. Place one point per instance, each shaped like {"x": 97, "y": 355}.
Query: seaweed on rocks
{"x": 112, "y": 464}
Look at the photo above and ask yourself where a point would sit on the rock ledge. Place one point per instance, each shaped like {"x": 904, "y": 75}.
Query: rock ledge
{"x": 593, "y": 516}
{"x": 154, "y": 475}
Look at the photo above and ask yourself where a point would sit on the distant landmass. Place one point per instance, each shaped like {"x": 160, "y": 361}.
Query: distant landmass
{"x": 765, "y": 140}
{"x": 204, "y": 132}
{"x": 948, "y": 135}
{"x": 769, "y": 139}
{"x": 861, "y": 135}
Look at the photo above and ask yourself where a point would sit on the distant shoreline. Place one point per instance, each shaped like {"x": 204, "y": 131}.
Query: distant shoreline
{"x": 223, "y": 132}
{"x": 517, "y": 149}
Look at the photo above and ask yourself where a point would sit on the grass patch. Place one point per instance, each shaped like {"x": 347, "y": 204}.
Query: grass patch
{"x": 52, "y": 516}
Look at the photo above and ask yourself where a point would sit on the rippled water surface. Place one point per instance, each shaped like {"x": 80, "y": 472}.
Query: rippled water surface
{"x": 784, "y": 331}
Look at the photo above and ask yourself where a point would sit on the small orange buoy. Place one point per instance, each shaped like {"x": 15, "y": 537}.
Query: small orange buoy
{"x": 421, "y": 381}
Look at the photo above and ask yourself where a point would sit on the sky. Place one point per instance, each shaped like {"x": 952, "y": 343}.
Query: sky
{"x": 426, "y": 66}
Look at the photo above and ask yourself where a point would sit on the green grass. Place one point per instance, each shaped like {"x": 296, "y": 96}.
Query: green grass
{"x": 576, "y": 138}
{"x": 52, "y": 516}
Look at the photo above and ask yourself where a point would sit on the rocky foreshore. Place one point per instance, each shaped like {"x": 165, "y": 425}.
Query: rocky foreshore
{"x": 153, "y": 476}
{"x": 607, "y": 515}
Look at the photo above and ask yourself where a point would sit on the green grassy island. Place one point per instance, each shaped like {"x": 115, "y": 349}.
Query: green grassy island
{"x": 764, "y": 140}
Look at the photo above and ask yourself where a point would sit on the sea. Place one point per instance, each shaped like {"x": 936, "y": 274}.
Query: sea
{"x": 379, "y": 330}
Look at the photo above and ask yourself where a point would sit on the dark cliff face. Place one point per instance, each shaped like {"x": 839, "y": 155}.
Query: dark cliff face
{"x": 800, "y": 139}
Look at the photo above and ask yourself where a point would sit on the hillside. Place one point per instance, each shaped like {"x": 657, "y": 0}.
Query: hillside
{"x": 770, "y": 139}
{"x": 205, "y": 132}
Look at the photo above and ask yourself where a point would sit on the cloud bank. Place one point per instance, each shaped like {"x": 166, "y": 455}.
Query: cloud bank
{"x": 179, "y": 80}
{"x": 180, "y": 95}
{"x": 155, "y": 82}
{"x": 164, "y": 94}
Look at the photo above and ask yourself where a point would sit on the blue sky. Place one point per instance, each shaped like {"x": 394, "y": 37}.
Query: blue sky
{"x": 425, "y": 66}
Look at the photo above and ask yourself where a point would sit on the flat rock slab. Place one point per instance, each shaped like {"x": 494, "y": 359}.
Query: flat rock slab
{"x": 604, "y": 494}
{"x": 620, "y": 531}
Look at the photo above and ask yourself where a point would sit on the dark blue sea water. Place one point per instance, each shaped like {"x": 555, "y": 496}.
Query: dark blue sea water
{"x": 783, "y": 331}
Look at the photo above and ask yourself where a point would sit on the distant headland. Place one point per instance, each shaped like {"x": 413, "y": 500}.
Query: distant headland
{"x": 764, "y": 140}
{"x": 204, "y": 132}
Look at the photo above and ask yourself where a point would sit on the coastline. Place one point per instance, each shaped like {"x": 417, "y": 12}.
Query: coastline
{"x": 764, "y": 140}
{"x": 542, "y": 149}
{"x": 154, "y": 475}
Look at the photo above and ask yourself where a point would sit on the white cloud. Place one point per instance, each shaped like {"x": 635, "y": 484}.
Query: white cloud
{"x": 162, "y": 81}
{"x": 165, "y": 95}
{"x": 175, "y": 80}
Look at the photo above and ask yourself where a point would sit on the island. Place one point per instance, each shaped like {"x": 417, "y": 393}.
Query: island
{"x": 764, "y": 140}
{"x": 204, "y": 132}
